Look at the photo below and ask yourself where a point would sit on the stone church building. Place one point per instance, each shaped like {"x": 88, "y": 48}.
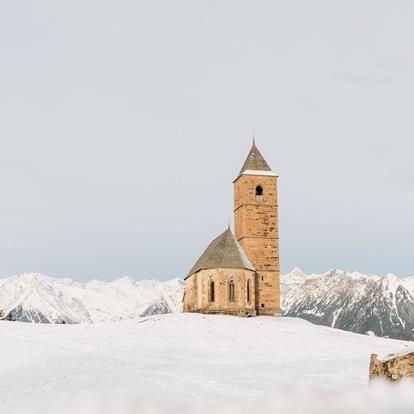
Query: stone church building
{"x": 239, "y": 274}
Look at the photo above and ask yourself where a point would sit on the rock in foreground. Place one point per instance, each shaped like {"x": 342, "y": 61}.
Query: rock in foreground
{"x": 392, "y": 368}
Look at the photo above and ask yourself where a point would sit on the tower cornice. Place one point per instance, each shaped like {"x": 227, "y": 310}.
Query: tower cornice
{"x": 256, "y": 173}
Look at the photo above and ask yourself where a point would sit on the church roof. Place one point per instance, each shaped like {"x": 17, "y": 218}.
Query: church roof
{"x": 255, "y": 163}
{"x": 223, "y": 252}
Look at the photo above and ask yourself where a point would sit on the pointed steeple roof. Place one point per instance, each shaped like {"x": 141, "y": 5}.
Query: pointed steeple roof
{"x": 255, "y": 161}
{"x": 223, "y": 252}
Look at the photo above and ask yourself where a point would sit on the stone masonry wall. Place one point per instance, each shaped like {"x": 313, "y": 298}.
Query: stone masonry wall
{"x": 256, "y": 229}
{"x": 245, "y": 186}
{"x": 197, "y": 293}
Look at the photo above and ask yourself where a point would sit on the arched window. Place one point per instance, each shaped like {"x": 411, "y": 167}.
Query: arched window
{"x": 211, "y": 293}
{"x": 259, "y": 193}
{"x": 231, "y": 291}
{"x": 248, "y": 291}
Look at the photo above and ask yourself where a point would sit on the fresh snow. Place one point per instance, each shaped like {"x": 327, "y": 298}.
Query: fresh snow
{"x": 335, "y": 317}
{"x": 187, "y": 359}
{"x": 388, "y": 357}
{"x": 259, "y": 172}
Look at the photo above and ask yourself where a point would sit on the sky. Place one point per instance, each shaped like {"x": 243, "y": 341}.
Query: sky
{"x": 123, "y": 124}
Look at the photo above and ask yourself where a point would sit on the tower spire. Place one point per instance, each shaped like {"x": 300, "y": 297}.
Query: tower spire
{"x": 255, "y": 160}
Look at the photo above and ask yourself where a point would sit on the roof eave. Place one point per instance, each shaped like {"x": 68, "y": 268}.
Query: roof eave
{"x": 211, "y": 268}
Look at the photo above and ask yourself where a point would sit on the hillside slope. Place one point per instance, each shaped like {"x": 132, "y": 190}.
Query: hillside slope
{"x": 181, "y": 357}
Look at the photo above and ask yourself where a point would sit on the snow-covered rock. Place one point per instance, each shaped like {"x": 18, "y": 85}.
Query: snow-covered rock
{"x": 37, "y": 298}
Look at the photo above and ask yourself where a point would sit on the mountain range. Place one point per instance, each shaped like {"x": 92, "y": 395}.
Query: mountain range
{"x": 352, "y": 301}
{"x": 33, "y": 297}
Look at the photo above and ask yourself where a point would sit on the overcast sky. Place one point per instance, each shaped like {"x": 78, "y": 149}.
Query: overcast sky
{"x": 124, "y": 123}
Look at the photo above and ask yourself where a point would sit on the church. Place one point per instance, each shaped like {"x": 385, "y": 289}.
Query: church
{"x": 238, "y": 274}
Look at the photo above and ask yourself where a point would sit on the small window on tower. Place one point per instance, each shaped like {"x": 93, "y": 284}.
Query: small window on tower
{"x": 259, "y": 193}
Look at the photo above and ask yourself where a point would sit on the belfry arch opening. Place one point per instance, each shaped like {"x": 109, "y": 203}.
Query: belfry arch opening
{"x": 259, "y": 193}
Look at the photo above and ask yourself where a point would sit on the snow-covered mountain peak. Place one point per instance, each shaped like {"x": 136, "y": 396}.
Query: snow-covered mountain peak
{"x": 297, "y": 271}
{"x": 124, "y": 280}
{"x": 391, "y": 279}
{"x": 34, "y": 297}
{"x": 31, "y": 278}
{"x": 334, "y": 271}
{"x": 353, "y": 301}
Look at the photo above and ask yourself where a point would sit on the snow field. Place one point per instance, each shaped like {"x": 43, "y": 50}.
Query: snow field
{"x": 186, "y": 361}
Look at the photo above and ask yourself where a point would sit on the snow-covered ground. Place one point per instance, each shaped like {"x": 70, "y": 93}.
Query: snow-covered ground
{"x": 185, "y": 361}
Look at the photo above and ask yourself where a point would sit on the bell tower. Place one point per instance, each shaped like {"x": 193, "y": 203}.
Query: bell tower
{"x": 256, "y": 228}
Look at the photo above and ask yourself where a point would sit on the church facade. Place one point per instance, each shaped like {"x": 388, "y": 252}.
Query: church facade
{"x": 239, "y": 273}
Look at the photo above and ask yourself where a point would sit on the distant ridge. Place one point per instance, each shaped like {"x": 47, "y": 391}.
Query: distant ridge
{"x": 33, "y": 297}
{"x": 352, "y": 301}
